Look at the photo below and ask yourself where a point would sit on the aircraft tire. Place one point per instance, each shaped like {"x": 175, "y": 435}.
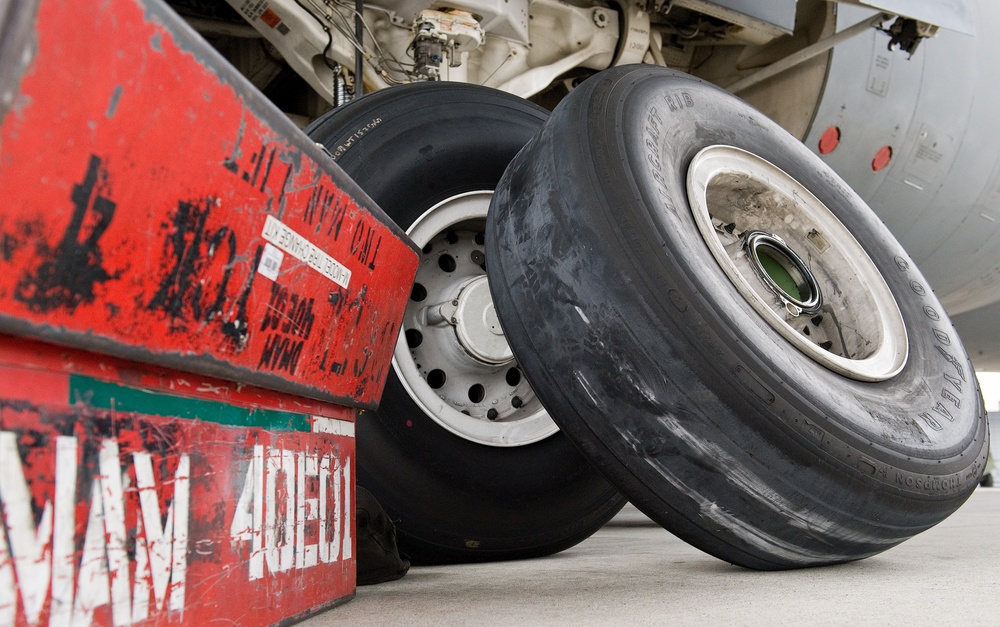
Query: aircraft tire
{"x": 459, "y": 488}
{"x": 684, "y": 376}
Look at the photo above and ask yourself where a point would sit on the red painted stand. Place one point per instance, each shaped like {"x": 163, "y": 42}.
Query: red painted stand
{"x": 135, "y": 494}
{"x": 194, "y": 303}
{"x": 157, "y": 208}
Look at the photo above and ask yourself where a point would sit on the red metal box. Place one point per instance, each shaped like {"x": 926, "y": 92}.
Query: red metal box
{"x": 133, "y": 494}
{"x": 194, "y": 301}
{"x": 157, "y": 208}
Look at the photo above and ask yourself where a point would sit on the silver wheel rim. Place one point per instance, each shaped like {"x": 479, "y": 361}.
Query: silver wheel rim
{"x": 452, "y": 357}
{"x": 759, "y": 223}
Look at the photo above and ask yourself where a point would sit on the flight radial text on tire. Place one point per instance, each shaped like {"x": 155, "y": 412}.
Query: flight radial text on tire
{"x": 726, "y": 330}
{"x": 461, "y": 454}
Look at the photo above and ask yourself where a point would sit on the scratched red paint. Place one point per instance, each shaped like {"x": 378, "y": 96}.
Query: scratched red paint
{"x": 40, "y": 369}
{"x": 248, "y": 525}
{"x": 138, "y": 178}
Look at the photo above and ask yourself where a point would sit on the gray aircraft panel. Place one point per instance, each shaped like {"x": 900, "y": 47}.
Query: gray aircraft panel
{"x": 956, "y": 15}
{"x": 870, "y": 96}
{"x": 953, "y": 155}
{"x": 980, "y": 333}
{"x": 940, "y": 193}
{"x": 781, "y": 13}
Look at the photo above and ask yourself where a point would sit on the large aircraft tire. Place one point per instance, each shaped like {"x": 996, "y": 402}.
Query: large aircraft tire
{"x": 760, "y": 395}
{"x": 498, "y": 481}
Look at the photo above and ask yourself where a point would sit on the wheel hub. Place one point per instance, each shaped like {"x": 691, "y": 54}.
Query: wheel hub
{"x": 477, "y": 325}
{"x": 788, "y": 254}
{"x": 452, "y": 357}
{"x": 783, "y": 272}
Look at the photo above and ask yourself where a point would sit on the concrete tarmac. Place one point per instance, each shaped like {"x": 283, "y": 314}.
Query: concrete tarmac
{"x": 633, "y": 572}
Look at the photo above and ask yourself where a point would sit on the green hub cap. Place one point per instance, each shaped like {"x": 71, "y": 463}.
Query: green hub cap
{"x": 783, "y": 272}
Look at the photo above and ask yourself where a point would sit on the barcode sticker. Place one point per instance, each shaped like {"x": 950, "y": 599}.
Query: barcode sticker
{"x": 289, "y": 241}
{"x": 270, "y": 262}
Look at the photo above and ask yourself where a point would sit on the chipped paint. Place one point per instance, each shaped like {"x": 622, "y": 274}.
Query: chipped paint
{"x": 143, "y": 234}
{"x": 122, "y": 514}
{"x": 116, "y": 95}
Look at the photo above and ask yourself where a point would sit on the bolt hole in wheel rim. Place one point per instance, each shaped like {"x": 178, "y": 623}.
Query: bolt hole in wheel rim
{"x": 799, "y": 267}
{"x": 452, "y": 356}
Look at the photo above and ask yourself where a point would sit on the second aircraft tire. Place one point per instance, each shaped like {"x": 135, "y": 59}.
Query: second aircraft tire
{"x": 460, "y": 453}
{"x": 726, "y": 330}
